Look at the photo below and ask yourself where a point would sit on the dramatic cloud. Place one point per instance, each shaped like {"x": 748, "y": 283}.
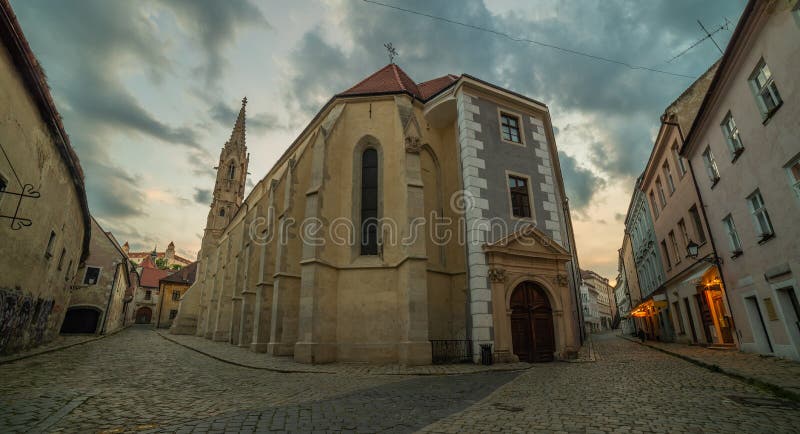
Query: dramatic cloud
{"x": 580, "y": 183}
{"x": 225, "y": 116}
{"x": 202, "y": 196}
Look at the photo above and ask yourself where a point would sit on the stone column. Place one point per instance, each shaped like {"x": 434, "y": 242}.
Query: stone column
{"x": 248, "y": 298}
{"x": 262, "y": 311}
{"x": 224, "y": 298}
{"x": 236, "y": 302}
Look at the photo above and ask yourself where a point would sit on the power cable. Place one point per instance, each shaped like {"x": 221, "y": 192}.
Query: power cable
{"x": 531, "y": 41}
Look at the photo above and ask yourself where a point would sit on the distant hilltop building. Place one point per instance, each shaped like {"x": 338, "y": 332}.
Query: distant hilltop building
{"x": 165, "y": 259}
{"x": 379, "y": 169}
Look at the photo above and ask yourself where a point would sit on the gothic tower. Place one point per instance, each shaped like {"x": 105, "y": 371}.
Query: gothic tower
{"x": 231, "y": 178}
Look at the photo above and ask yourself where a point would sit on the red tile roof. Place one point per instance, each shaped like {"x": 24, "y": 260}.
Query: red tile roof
{"x": 392, "y": 79}
{"x": 184, "y": 275}
{"x": 147, "y": 262}
{"x": 138, "y": 255}
{"x": 151, "y": 277}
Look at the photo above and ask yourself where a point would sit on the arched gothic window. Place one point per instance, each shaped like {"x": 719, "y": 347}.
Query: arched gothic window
{"x": 369, "y": 202}
{"x": 222, "y": 212}
{"x": 231, "y": 170}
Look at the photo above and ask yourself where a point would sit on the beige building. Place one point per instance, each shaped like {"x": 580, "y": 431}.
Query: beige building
{"x": 696, "y": 309}
{"x": 167, "y": 259}
{"x": 405, "y": 219}
{"x": 744, "y": 151}
{"x": 97, "y": 302}
{"x": 147, "y": 294}
{"x": 171, "y": 289}
{"x": 601, "y": 298}
{"x": 44, "y": 219}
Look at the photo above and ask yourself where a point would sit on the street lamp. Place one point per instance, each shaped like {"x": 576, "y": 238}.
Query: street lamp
{"x": 693, "y": 249}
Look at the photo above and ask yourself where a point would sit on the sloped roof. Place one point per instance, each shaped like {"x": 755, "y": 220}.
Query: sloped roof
{"x": 392, "y": 79}
{"x": 142, "y": 255}
{"x": 184, "y": 275}
{"x": 147, "y": 262}
{"x": 151, "y": 276}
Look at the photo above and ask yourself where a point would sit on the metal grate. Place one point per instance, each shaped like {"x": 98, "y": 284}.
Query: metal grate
{"x": 451, "y": 351}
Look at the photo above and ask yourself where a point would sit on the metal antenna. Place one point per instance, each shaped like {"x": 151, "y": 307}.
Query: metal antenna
{"x": 709, "y": 35}
{"x": 392, "y": 51}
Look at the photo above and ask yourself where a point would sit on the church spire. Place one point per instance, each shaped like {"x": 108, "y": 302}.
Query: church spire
{"x": 238, "y": 133}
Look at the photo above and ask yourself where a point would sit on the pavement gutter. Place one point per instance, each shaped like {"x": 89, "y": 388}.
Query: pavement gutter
{"x": 773, "y": 388}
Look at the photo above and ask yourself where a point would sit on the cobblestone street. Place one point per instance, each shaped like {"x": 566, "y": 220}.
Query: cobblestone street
{"x": 138, "y": 381}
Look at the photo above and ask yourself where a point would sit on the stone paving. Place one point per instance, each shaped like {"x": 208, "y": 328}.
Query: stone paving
{"x": 137, "y": 381}
{"x": 56, "y": 344}
{"x": 776, "y": 371}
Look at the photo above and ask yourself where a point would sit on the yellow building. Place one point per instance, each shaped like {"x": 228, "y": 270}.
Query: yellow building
{"x": 408, "y": 223}
{"x": 171, "y": 289}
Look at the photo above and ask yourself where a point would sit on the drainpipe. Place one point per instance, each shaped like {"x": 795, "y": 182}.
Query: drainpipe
{"x": 710, "y": 234}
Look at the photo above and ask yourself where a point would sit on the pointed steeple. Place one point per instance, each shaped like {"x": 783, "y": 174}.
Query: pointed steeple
{"x": 238, "y": 134}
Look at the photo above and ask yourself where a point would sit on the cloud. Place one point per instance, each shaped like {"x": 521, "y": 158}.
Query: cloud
{"x": 580, "y": 183}
{"x": 202, "y": 196}
{"x": 226, "y": 115}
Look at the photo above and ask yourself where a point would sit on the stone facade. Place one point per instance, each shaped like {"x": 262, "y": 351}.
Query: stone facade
{"x": 44, "y": 218}
{"x": 171, "y": 289}
{"x": 291, "y": 270}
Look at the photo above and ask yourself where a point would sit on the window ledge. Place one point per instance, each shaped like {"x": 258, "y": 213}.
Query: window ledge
{"x": 736, "y": 155}
{"x": 771, "y": 113}
{"x": 765, "y": 238}
{"x": 715, "y": 182}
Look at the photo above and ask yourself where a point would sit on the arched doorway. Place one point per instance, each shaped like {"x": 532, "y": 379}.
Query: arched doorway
{"x": 80, "y": 320}
{"x": 532, "y": 333}
{"x": 144, "y": 315}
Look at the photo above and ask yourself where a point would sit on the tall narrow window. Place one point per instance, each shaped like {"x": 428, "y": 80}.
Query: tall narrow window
{"x": 369, "y": 202}
{"x": 61, "y": 258}
{"x": 733, "y": 236}
{"x": 684, "y": 232}
{"x": 711, "y": 166}
{"x": 668, "y": 177}
{"x": 231, "y": 170}
{"x": 767, "y": 96}
{"x": 793, "y": 170}
{"x": 661, "y": 196}
{"x": 666, "y": 254}
{"x": 3, "y": 185}
{"x": 653, "y": 203}
{"x": 760, "y": 215}
{"x": 731, "y": 132}
{"x": 698, "y": 224}
{"x": 520, "y": 201}
{"x": 48, "y": 253}
{"x": 678, "y": 159}
{"x": 674, "y": 242}
{"x": 509, "y": 128}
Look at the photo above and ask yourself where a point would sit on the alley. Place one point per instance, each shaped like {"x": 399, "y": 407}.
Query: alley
{"x": 138, "y": 381}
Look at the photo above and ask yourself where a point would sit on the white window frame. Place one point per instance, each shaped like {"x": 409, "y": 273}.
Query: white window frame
{"x": 734, "y": 242}
{"x": 668, "y": 176}
{"x": 86, "y": 271}
{"x": 675, "y": 251}
{"x": 678, "y": 159}
{"x": 759, "y": 74}
{"x": 661, "y": 196}
{"x": 731, "y": 133}
{"x": 758, "y": 209}
{"x": 653, "y": 203}
{"x": 711, "y": 166}
{"x": 794, "y": 179}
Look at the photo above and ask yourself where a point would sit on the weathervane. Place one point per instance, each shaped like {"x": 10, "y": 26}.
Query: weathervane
{"x": 392, "y": 51}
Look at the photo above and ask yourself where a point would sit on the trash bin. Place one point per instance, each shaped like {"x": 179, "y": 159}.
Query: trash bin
{"x": 486, "y": 354}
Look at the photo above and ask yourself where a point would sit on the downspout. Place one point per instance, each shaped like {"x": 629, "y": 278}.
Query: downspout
{"x": 718, "y": 262}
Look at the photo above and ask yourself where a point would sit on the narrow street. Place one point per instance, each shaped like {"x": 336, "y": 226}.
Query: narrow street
{"x": 137, "y": 381}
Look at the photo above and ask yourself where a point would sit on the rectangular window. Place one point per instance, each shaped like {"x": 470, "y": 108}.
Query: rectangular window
{"x": 653, "y": 203}
{"x": 665, "y": 252}
{"x": 3, "y": 185}
{"x": 509, "y": 128}
{"x": 148, "y": 295}
{"x": 674, "y": 242}
{"x": 733, "y": 236}
{"x": 176, "y": 295}
{"x": 760, "y": 215}
{"x": 173, "y": 313}
{"x": 731, "y": 132}
{"x": 61, "y": 258}
{"x": 66, "y": 273}
{"x": 520, "y": 201}
{"x": 48, "y": 253}
{"x": 698, "y": 224}
{"x": 793, "y": 170}
{"x": 684, "y": 232}
{"x": 92, "y": 276}
{"x": 767, "y": 96}
{"x": 661, "y": 196}
{"x": 678, "y": 159}
{"x": 668, "y": 177}
{"x": 711, "y": 166}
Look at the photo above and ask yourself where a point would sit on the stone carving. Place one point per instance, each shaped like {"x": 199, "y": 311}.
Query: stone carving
{"x": 413, "y": 145}
{"x": 560, "y": 279}
{"x": 497, "y": 275}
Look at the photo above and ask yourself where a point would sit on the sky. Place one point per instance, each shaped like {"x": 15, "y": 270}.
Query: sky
{"x": 149, "y": 90}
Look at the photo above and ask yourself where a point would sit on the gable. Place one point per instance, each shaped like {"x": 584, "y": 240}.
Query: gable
{"x": 528, "y": 241}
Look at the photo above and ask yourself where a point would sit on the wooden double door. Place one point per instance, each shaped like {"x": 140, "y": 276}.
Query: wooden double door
{"x": 532, "y": 333}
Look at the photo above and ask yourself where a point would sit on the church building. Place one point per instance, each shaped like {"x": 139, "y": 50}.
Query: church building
{"x": 407, "y": 221}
